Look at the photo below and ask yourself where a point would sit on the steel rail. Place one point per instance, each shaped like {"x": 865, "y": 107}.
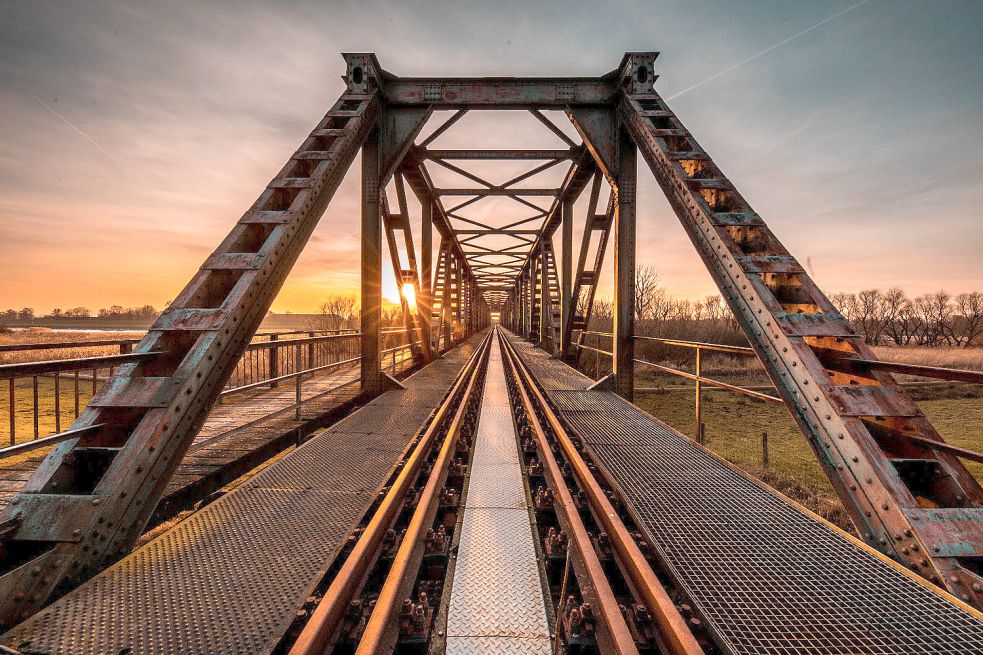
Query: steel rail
{"x": 952, "y": 374}
{"x": 327, "y": 616}
{"x": 65, "y": 345}
{"x": 289, "y": 376}
{"x": 717, "y": 347}
{"x": 27, "y": 369}
{"x": 714, "y": 383}
{"x": 50, "y": 440}
{"x": 670, "y": 623}
{"x": 603, "y": 599}
{"x": 377, "y": 636}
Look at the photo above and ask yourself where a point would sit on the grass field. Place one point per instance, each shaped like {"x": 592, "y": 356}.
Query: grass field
{"x": 734, "y": 426}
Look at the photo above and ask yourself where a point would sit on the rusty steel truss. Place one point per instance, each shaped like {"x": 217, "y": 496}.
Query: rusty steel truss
{"x": 94, "y": 493}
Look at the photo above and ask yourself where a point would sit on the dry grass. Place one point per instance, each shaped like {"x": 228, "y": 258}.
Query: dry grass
{"x": 967, "y": 358}
{"x": 46, "y": 335}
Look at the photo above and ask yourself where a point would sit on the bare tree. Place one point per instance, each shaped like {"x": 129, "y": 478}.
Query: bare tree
{"x": 934, "y": 312}
{"x": 970, "y": 315}
{"x": 901, "y": 321}
{"x": 337, "y": 313}
{"x": 646, "y": 290}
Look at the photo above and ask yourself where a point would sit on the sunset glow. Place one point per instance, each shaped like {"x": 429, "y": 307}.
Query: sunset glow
{"x": 120, "y": 172}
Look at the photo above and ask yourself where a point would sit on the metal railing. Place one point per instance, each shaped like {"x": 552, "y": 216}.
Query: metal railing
{"x": 44, "y": 395}
{"x": 916, "y": 370}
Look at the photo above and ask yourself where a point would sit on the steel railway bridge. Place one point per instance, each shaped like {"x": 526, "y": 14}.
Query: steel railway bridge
{"x": 492, "y": 498}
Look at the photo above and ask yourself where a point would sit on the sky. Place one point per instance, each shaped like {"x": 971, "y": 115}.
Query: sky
{"x": 134, "y": 134}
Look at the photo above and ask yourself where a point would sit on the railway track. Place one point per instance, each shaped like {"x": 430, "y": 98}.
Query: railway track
{"x": 393, "y": 590}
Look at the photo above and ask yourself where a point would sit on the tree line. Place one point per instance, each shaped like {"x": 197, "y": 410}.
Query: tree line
{"x": 891, "y": 317}
{"x": 112, "y": 312}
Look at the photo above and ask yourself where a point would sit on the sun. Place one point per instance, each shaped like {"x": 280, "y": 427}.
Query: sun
{"x": 409, "y": 293}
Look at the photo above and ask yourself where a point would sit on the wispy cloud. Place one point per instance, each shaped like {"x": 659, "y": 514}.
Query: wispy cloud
{"x": 77, "y": 129}
{"x": 762, "y": 53}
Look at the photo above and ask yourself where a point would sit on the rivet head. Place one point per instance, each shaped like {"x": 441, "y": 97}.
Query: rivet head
{"x": 96, "y": 501}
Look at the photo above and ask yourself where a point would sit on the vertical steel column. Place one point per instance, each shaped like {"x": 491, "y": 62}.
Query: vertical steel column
{"x": 524, "y": 300}
{"x": 426, "y": 258}
{"x": 624, "y": 270}
{"x": 545, "y": 311}
{"x": 566, "y": 275}
{"x": 459, "y": 299}
{"x": 371, "y": 314}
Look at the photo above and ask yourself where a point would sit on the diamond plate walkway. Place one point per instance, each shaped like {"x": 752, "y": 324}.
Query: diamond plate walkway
{"x": 231, "y": 578}
{"x": 496, "y": 603}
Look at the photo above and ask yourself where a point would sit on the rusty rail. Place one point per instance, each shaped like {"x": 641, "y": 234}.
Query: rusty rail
{"x": 327, "y": 616}
{"x": 379, "y": 636}
{"x": 65, "y": 345}
{"x": 670, "y": 623}
{"x": 615, "y": 629}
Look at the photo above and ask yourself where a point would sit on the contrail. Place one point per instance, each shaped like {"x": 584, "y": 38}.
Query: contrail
{"x": 72, "y": 125}
{"x": 768, "y": 49}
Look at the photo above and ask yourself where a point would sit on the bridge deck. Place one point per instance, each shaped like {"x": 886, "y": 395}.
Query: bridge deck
{"x": 237, "y": 436}
{"x": 765, "y": 575}
{"x": 230, "y": 578}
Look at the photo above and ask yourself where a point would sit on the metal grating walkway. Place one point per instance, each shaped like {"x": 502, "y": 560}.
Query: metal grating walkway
{"x": 231, "y": 577}
{"x": 497, "y": 603}
{"x": 766, "y": 576}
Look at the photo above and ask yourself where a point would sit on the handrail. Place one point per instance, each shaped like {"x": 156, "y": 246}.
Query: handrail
{"x": 50, "y": 440}
{"x": 64, "y": 345}
{"x": 268, "y": 345}
{"x": 920, "y": 370}
{"x": 289, "y": 376}
{"x": 719, "y": 347}
{"x": 27, "y": 369}
{"x": 714, "y": 383}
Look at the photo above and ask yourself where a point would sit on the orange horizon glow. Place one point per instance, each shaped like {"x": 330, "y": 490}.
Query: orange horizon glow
{"x": 120, "y": 172}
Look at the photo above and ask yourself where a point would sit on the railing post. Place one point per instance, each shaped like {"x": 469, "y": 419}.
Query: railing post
{"x": 13, "y": 413}
{"x": 699, "y": 389}
{"x": 298, "y": 362}
{"x": 273, "y": 360}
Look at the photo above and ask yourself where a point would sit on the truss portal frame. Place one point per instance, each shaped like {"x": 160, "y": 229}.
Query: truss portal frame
{"x": 93, "y": 495}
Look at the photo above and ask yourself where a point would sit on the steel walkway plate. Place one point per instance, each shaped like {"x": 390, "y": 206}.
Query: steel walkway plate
{"x": 497, "y": 603}
{"x": 230, "y": 578}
